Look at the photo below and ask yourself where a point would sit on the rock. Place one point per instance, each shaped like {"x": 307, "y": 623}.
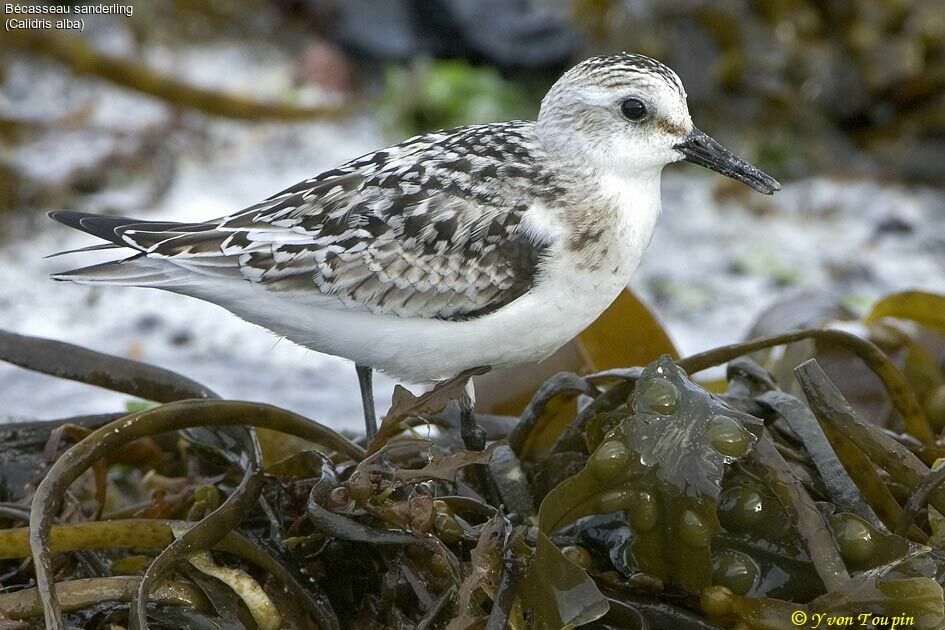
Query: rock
{"x": 893, "y": 225}
{"x": 514, "y": 35}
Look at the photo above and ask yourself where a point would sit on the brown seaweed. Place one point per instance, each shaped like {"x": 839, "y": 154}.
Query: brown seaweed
{"x": 75, "y": 363}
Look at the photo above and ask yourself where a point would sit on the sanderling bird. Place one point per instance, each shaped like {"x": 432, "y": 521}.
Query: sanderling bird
{"x": 485, "y": 245}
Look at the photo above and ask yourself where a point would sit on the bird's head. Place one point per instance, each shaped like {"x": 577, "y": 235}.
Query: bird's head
{"x": 628, "y": 113}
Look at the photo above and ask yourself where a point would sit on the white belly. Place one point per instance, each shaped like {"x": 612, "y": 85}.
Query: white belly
{"x": 424, "y": 350}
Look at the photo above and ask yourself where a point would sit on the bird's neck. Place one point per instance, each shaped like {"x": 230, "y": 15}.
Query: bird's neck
{"x": 613, "y": 219}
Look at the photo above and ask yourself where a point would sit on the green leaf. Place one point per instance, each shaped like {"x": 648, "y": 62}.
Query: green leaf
{"x": 558, "y": 592}
{"x": 927, "y": 309}
{"x": 134, "y": 406}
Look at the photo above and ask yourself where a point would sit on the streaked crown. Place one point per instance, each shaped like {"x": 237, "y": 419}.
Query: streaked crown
{"x": 614, "y": 71}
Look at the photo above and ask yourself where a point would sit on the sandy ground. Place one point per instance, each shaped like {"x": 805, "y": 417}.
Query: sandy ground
{"x": 719, "y": 257}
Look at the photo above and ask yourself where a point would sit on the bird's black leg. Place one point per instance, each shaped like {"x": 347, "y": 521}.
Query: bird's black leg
{"x": 474, "y": 436}
{"x": 367, "y": 400}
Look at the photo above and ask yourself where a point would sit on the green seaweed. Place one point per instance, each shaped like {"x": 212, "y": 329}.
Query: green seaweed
{"x": 660, "y": 504}
{"x": 663, "y": 465}
{"x": 897, "y": 388}
{"x": 758, "y": 537}
{"x": 803, "y": 514}
{"x": 203, "y": 534}
{"x": 82, "y": 593}
{"x": 48, "y": 495}
{"x": 831, "y": 408}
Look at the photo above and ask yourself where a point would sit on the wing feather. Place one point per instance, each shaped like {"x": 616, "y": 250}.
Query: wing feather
{"x": 429, "y": 228}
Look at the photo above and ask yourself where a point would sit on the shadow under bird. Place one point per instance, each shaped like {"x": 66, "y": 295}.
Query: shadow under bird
{"x": 485, "y": 245}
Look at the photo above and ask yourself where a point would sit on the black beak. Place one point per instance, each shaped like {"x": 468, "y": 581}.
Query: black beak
{"x": 701, "y": 149}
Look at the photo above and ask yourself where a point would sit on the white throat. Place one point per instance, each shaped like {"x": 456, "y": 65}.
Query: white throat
{"x": 636, "y": 200}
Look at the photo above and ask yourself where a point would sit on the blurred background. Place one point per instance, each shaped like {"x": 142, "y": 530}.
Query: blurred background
{"x": 189, "y": 110}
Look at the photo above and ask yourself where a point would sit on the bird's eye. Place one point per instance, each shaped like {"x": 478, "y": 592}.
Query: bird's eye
{"x": 633, "y": 109}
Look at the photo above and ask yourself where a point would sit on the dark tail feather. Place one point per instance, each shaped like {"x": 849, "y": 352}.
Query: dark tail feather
{"x": 106, "y": 228}
{"x": 113, "y": 229}
{"x": 90, "y": 248}
{"x": 136, "y": 270}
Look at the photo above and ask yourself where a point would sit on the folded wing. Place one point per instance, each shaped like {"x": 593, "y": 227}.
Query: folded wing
{"x": 394, "y": 232}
